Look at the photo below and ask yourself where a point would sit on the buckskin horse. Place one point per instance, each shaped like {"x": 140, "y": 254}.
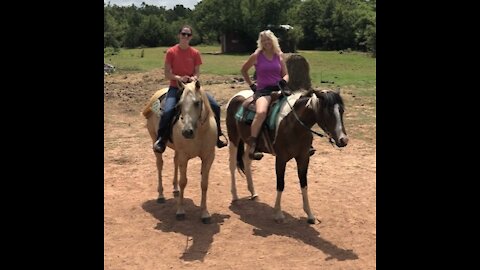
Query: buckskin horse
{"x": 194, "y": 134}
{"x": 290, "y": 137}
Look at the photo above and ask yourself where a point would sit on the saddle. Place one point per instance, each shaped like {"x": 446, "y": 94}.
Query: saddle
{"x": 247, "y": 111}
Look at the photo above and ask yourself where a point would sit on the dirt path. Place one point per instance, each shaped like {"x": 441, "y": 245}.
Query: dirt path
{"x": 141, "y": 234}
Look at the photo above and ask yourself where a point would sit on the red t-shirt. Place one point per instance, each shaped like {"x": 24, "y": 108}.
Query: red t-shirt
{"x": 183, "y": 62}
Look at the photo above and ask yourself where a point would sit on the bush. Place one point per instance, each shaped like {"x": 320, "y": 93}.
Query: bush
{"x": 108, "y": 51}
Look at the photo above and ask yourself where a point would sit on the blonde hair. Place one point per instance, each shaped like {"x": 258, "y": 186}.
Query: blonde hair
{"x": 269, "y": 34}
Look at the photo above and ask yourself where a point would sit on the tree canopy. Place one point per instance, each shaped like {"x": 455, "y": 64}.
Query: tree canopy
{"x": 317, "y": 24}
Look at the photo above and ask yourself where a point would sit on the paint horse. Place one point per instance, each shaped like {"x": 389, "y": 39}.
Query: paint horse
{"x": 291, "y": 138}
{"x": 194, "y": 134}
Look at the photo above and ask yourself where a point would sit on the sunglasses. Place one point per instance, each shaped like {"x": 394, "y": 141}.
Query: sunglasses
{"x": 186, "y": 34}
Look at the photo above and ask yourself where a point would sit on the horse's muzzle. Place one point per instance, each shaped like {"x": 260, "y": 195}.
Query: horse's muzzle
{"x": 342, "y": 142}
{"x": 187, "y": 133}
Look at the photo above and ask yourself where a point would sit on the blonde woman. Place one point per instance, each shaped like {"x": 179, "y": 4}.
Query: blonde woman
{"x": 271, "y": 70}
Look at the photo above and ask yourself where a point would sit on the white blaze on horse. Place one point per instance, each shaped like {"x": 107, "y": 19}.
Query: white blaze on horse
{"x": 194, "y": 134}
{"x": 288, "y": 137}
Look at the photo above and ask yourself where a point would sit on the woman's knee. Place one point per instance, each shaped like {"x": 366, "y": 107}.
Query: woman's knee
{"x": 261, "y": 114}
{"x": 262, "y": 108}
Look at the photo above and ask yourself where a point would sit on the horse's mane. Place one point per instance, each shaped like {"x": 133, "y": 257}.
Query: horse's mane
{"x": 328, "y": 97}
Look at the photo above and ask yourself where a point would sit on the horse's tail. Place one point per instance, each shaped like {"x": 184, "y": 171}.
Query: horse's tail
{"x": 240, "y": 152}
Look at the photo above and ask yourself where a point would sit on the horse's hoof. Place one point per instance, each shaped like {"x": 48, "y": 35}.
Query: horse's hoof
{"x": 279, "y": 220}
{"x": 254, "y": 197}
{"x": 176, "y": 193}
{"x": 180, "y": 216}
{"x": 206, "y": 220}
{"x": 311, "y": 221}
{"x": 255, "y": 155}
{"x": 161, "y": 200}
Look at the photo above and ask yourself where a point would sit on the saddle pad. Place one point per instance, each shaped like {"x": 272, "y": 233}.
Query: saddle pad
{"x": 274, "y": 112}
{"x": 156, "y": 108}
{"x": 155, "y": 104}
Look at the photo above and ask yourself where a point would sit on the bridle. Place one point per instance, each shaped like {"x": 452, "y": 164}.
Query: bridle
{"x": 202, "y": 121}
{"x": 329, "y": 136}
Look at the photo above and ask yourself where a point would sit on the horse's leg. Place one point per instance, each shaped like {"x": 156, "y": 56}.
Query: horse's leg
{"x": 206, "y": 165}
{"x": 161, "y": 198}
{"x": 280, "y": 171}
{"x": 302, "y": 169}
{"x": 248, "y": 174}
{"x": 232, "y": 149}
{"x": 182, "y": 164}
{"x": 175, "y": 176}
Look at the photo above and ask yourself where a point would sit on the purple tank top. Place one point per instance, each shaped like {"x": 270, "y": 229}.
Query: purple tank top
{"x": 268, "y": 71}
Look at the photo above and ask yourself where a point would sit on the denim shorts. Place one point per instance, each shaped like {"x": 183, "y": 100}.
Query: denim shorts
{"x": 265, "y": 91}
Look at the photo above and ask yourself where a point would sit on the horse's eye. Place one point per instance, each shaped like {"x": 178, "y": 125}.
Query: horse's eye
{"x": 196, "y": 103}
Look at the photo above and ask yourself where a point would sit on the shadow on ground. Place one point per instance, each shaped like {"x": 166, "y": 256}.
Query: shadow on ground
{"x": 260, "y": 215}
{"x": 199, "y": 236}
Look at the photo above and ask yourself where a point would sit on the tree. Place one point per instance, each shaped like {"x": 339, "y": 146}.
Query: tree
{"x": 109, "y": 30}
{"x": 307, "y": 16}
{"x": 318, "y": 24}
{"x": 151, "y": 31}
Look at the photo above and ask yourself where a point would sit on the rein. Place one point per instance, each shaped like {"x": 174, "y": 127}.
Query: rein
{"x": 303, "y": 124}
{"x": 201, "y": 112}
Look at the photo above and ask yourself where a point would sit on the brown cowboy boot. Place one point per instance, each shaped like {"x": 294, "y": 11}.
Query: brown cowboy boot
{"x": 253, "y": 153}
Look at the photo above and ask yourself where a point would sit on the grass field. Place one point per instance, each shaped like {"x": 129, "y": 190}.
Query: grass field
{"x": 346, "y": 69}
{"x": 354, "y": 73}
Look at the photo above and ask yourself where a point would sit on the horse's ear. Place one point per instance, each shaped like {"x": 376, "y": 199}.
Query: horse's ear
{"x": 197, "y": 84}
{"x": 180, "y": 84}
{"x": 337, "y": 90}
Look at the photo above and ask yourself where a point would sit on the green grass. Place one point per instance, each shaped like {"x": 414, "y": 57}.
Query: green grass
{"x": 347, "y": 69}
{"x": 130, "y": 60}
{"x": 353, "y": 69}
{"x": 352, "y": 72}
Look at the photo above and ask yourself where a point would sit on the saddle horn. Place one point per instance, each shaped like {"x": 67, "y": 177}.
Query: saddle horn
{"x": 284, "y": 89}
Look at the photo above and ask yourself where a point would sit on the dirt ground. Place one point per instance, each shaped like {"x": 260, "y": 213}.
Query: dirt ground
{"x": 142, "y": 234}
